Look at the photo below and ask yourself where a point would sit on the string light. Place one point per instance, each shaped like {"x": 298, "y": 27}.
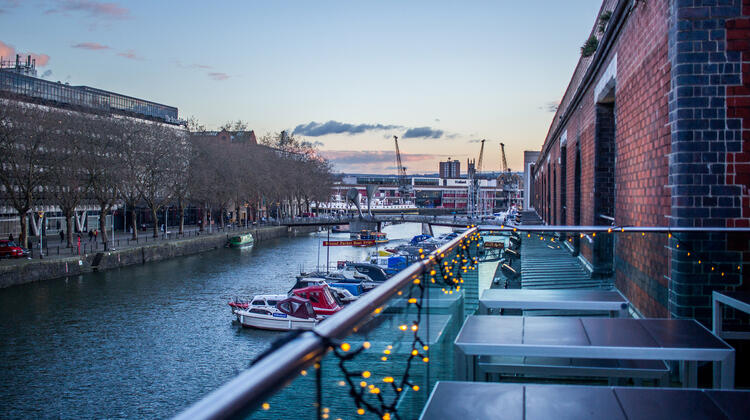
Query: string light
{"x": 368, "y": 397}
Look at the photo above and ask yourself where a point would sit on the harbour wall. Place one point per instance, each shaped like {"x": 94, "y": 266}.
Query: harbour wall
{"x": 29, "y": 271}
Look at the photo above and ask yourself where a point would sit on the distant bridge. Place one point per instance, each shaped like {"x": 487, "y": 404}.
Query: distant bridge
{"x": 434, "y": 220}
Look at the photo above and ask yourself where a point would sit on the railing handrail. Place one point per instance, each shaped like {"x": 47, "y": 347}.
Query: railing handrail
{"x": 620, "y": 229}
{"x": 249, "y": 389}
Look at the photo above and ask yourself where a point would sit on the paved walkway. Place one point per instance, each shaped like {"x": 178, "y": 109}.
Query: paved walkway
{"x": 55, "y": 248}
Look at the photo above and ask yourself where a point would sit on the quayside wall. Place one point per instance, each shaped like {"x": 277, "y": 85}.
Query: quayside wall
{"x": 45, "y": 269}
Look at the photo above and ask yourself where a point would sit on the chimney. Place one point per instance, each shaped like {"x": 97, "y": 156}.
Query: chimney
{"x": 18, "y": 60}
{"x": 28, "y": 61}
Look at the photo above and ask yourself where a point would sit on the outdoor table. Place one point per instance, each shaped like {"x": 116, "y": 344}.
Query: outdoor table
{"x": 611, "y": 301}
{"x": 508, "y": 401}
{"x": 736, "y": 300}
{"x": 683, "y": 340}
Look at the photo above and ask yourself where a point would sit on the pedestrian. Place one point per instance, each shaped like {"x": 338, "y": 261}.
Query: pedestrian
{"x": 62, "y": 236}
{"x": 96, "y": 233}
{"x": 10, "y": 237}
{"x": 79, "y": 244}
{"x": 91, "y": 235}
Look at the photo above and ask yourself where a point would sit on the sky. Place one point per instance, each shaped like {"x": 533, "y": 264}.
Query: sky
{"x": 345, "y": 75}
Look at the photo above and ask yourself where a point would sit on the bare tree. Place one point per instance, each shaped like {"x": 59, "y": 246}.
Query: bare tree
{"x": 69, "y": 185}
{"x": 159, "y": 168}
{"x": 102, "y": 164}
{"x": 25, "y": 131}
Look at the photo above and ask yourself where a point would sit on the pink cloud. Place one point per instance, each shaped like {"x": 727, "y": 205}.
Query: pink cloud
{"x": 130, "y": 54}
{"x": 93, "y": 8}
{"x": 9, "y": 52}
{"x": 218, "y": 75}
{"x": 94, "y": 46}
{"x": 192, "y": 66}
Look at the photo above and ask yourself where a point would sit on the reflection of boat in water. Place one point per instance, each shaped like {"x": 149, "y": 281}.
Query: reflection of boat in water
{"x": 241, "y": 240}
{"x": 302, "y": 310}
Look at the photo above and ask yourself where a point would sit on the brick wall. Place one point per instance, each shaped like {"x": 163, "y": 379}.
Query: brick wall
{"x": 707, "y": 161}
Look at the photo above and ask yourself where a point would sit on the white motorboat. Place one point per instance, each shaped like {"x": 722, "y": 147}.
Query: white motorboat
{"x": 278, "y": 313}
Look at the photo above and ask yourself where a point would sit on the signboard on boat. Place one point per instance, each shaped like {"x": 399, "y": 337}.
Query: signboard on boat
{"x": 358, "y": 242}
{"x": 494, "y": 245}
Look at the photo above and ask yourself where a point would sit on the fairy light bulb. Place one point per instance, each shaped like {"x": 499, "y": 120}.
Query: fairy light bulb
{"x": 345, "y": 346}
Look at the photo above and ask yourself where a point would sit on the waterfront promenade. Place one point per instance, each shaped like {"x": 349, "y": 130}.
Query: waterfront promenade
{"x": 60, "y": 261}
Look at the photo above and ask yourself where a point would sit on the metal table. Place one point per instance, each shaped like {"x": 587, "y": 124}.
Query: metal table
{"x": 736, "y": 300}
{"x": 611, "y": 301}
{"x": 593, "y": 338}
{"x": 473, "y": 400}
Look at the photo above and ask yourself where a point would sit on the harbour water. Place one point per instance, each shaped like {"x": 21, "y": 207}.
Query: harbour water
{"x": 144, "y": 341}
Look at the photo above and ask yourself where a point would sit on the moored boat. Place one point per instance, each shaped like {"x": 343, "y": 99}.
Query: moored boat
{"x": 292, "y": 313}
{"x": 241, "y": 240}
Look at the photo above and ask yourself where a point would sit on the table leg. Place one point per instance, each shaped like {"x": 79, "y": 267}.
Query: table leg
{"x": 716, "y": 316}
{"x": 689, "y": 374}
{"x": 692, "y": 371}
{"x": 724, "y": 373}
{"x": 459, "y": 364}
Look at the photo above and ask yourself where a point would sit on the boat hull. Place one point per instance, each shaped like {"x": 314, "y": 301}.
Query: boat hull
{"x": 241, "y": 240}
{"x": 264, "y": 322}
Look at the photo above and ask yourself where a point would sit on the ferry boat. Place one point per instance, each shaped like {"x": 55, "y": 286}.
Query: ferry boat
{"x": 241, "y": 240}
{"x": 367, "y": 235}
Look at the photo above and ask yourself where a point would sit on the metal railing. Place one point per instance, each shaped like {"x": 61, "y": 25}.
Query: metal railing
{"x": 249, "y": 390}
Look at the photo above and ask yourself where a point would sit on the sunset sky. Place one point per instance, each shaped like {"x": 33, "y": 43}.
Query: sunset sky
{"x": 346, "y": 75}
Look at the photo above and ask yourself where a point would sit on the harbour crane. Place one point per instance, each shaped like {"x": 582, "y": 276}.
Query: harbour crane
{"x": 502, "y": 154}
{"x": 475, "y": 205}
{"x": 404, "y": 186}
{"x": 508, "y": 180}
{"x": 481, "y": 155}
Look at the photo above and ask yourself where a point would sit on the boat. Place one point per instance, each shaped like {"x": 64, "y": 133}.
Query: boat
{"x": 241, "y": 240}
{"x": 319, "y": 295}
{"x": 340, "y": 229}
{"x": 346, "y": 278}
{"x": 342, "y": 295}
{"x": 290, "y": 313}
{"x": 368, "y": 235}
{"x": 373, "y": 271}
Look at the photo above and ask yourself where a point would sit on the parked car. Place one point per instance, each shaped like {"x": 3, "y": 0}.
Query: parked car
{"x": 11, "y": 250}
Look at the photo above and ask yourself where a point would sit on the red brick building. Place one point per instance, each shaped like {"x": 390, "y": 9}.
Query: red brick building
{"x": 654, "y": 130}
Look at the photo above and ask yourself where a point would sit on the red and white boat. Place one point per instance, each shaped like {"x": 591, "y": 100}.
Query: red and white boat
{"x": 300, "y": 311}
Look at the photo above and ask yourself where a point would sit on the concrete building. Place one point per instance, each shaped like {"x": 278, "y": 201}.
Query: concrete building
{"x": 654, "y": 130}
{"x": 450, "y": 169}
{"x": 18, "y": 83}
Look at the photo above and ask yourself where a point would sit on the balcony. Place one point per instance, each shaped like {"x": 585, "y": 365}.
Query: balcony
{"x": 602, "y": 319}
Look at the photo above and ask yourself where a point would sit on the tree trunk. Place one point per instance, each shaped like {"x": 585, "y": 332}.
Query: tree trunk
{"x": 69, "y": 226}
{"x": 103, "y": 225}
{"x": 156, "y": 222}
{"x": 23, "y": 237}
{"x": 204, "y": 213}
{"x": 221, "y": 218}
{"x": 181, "y": 209}
{"x": 133, "y": 223}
